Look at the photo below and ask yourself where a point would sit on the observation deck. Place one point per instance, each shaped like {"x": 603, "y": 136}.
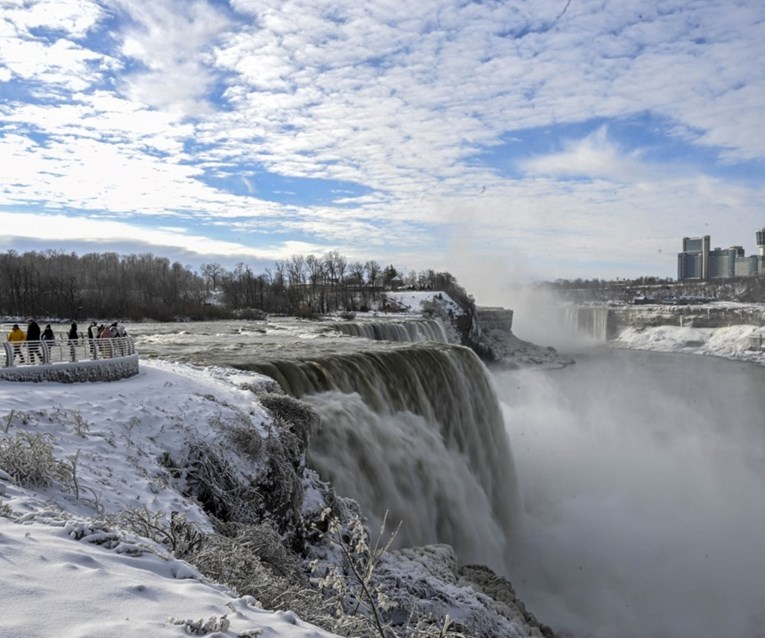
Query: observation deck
{"x": 70, "y": 361}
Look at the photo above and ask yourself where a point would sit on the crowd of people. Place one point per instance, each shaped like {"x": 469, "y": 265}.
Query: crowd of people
{"x": 33, "y": 336}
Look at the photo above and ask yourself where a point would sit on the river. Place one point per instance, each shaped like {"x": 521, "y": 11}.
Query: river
{"x": 631, "y": 503}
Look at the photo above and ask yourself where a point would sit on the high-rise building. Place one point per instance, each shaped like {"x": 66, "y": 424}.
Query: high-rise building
{"x": 693, "y": 262}
{"x": 698, "y": 263}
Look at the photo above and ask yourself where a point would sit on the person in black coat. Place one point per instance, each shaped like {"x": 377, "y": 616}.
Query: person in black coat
{"x": 33, "y": 334}
{"x": 73, "y": 337}
{"x": 48, "y": 333}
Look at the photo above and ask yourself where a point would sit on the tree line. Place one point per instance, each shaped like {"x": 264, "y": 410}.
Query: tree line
{"x": 145, "y": 286}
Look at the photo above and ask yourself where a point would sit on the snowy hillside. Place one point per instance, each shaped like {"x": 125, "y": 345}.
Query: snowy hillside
{"x": 67, "y": 574}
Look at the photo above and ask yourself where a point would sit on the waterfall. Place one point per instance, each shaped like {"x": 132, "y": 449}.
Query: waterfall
{"x": 416, "y": 431}
{"x": 415, "y": 330}
{"x": 589, "y": 321}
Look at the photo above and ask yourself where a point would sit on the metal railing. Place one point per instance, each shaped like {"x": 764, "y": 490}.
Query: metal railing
{"x": 47, "y": 351}
{"x": 757, "y": 342}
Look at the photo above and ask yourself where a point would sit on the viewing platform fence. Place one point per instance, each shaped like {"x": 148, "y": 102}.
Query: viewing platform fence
{"x": 54, "y": 351}
{"x": 70, "y": 360}
{"x": 757, "y": 341}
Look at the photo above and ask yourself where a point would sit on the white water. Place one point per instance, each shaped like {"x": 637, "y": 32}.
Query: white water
{"x": 642, "y": 478}
{"x": 399, "y": 463}
{"x": 587, "y": 321}
{"x": 416, "y": 432}
{"x": 414, "y": 331}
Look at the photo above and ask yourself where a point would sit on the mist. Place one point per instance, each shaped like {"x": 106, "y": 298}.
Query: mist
{"x": 642, "y": 483}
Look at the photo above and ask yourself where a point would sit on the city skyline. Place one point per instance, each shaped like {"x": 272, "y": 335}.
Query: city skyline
{"x": 535, "y": 140}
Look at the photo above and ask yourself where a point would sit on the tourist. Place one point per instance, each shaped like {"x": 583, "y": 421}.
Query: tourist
{"x": 33, "y": 338}
{"x": 106, "y": 344}
{"x": 47, "y": 334}
{"x": 92, "y": 334}
{"x": 16, "y": 336}
{"x": 119, "y": 331}
{"x": 73, "y": 339}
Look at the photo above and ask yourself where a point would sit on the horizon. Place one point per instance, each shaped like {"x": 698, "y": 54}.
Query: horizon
{"x": 525, "y": 141}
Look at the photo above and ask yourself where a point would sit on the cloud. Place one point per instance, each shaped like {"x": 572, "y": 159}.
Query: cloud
{"x": 169, "y": 109}
{"x": 172, "y": 41}
{"x": 594, "y": 156}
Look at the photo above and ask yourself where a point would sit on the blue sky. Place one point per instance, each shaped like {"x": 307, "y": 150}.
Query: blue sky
{"x": 532, "y": 139}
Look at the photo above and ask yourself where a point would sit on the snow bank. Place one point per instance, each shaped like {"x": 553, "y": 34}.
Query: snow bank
{"x": 62, "y": 575}
{"x": 732, "y": 342}
{"x": 412, "y": 300}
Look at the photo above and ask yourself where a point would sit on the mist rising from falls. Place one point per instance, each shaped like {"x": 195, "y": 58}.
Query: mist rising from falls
{"x": 411, "y": 331}
{"x": 416, "y": 431}
{"x": 641, "y": 477}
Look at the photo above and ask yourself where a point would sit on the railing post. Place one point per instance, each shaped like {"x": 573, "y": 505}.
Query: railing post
{"x": 8, "y": 355}
{"x": 45, "y": 351}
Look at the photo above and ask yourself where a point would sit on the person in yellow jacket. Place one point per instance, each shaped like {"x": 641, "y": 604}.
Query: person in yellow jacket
{"x": 16, "y": 336}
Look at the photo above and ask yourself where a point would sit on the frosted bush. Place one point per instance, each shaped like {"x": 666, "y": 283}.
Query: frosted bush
{"x": 28, "y": 458}
{"x": 295, "y": 415}
{"x": 247, "y": 440}
{"x": 218, "y": 486}
{"x": 175, "y": 533}
{"x": 254, "y": 562}
{"x": 202, "y": 627}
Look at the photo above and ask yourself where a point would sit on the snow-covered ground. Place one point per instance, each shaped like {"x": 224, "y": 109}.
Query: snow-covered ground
{"x": 732, "y": 342}
{"x": 411, "y": 301}
{"x": 64, "y": 575}
{"x": 72, "y": 567}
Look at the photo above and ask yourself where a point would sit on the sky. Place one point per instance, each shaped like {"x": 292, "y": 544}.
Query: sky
{"x": 572, "y": 138}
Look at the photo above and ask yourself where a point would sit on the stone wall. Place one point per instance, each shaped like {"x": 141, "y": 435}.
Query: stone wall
{"x": 81, "y": 371}
{"x": 495, "y": 319}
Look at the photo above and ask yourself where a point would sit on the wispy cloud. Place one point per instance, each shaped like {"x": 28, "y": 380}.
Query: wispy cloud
{"x": 175, "y": 110}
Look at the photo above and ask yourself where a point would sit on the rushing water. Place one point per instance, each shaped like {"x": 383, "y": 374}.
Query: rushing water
{"x": 411, "y": 427}
{"x": 639, "y": 476}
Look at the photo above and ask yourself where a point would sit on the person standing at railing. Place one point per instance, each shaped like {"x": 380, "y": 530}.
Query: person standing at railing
{"x": 118, "y": 331}
{"x": 48, "y": 338}
{"x": 92, "y": 335}
{"x": 106, "y": 345}
{"x": 73, "y": 341}
{"x": 16, "y": 336}
{"x": 33, "y": 337}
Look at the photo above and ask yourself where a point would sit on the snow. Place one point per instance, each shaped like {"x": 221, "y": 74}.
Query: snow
{"x": 412, "y": 300}
{"x": 62, "y": 572}
{"x": 731, "y": 342}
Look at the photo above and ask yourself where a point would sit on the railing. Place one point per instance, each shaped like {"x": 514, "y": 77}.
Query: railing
{"x": 49, "y": 351}
{"x": 756, "y": 342}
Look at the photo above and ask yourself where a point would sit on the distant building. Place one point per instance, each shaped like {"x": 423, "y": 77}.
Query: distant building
{"x": 693, "y": 262}
{"x": 698, "y": 263}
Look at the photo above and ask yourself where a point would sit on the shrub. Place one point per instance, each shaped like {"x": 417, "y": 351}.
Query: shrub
{"x": 219, "y": 488}
{"x": 246, "y": 439}
{"x": 293, "y": 415}
{"x": 29, "y": 459}
{"x": 177, "y": 533}
{"x": 253, "y": 561}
